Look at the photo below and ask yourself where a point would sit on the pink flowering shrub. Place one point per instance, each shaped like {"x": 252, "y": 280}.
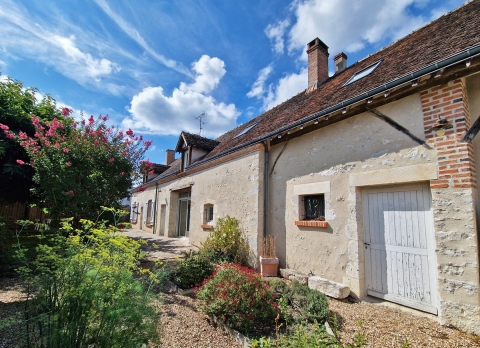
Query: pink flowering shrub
{"x": 81, "y": 167}
{"x": 240, "y": 297}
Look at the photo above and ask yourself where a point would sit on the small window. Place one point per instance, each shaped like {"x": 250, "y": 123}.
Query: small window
{"x": 185, "y": 159}
{"x": 246, "y": 130}
{"x": 314, "y": 207}
{"x": 362, "y": 73}
{"x": 208, "y": 214}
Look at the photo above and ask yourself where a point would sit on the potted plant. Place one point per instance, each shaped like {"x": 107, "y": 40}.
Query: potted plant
{"x": 268, "y": 260}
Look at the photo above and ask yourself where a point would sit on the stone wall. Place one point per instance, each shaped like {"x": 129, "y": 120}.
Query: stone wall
{"x": 454, "y": 200}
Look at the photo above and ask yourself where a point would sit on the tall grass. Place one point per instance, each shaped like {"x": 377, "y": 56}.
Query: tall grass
{"x": 84, "y": 292}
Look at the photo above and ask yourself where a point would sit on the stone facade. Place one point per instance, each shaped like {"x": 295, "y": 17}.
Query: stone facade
{"x": 454, "y": 199}
{"x": 234, "y": 187}
{"x": 343, "y": 162}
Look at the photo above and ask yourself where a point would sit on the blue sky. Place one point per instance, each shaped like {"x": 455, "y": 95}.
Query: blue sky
{"x": 154, "y": 65}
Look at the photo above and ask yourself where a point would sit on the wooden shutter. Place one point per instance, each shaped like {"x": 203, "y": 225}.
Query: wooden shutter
{"x": 152, "y": 213}
{"x": 145, "y": 211}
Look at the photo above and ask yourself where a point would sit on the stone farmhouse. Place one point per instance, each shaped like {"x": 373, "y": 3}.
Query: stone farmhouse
{"x": 367, "y": 179}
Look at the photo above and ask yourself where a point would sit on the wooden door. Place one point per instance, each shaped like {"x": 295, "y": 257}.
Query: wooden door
{"x": 400, "y": 246}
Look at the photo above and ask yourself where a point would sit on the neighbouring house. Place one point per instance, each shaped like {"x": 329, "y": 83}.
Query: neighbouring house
{"x": 368, "y": 178}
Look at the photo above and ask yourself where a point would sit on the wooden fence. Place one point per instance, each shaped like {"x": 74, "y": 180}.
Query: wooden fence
{"x": 21, "y": 211}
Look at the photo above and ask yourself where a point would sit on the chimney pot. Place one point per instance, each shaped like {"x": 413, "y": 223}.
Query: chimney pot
{"x": 317, "y": 63}
{"x": 340, "y": 61}
{"x": 170, "y": 156}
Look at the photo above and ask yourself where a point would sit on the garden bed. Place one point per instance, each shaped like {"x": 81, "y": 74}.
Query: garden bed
{"x": 183, "y": 325}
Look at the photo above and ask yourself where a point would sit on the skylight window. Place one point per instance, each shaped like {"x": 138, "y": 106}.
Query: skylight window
{"x": 246, "y": 130}
{"x": 362, "y": 73}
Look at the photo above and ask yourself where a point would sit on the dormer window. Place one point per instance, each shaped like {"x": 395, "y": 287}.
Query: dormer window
{"x": 185, "y": 159}
{"x": 362, "y": 73}
{"x": 193, "y": 148}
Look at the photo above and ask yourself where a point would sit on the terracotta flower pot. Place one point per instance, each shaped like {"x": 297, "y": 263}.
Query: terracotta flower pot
{"x": 269, "y": 266}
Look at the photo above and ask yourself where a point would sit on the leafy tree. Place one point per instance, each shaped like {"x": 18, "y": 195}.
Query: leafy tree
{"x": 17, "y": 105}
{"x": 79, "y": 169}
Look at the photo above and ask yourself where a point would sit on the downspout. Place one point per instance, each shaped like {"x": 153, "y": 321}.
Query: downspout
{"x": 266, "y": 145}
{"x": 155, "y": 209}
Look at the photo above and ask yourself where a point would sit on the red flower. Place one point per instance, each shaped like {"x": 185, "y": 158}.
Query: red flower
{"x": 111, "y": 160}
{"x": 20, "y": 162}
{"x": 65, "y": 111}
{"x": 66, "y": 150}
{"x": 68, "y": 164}
{"x": 70, "y": 193}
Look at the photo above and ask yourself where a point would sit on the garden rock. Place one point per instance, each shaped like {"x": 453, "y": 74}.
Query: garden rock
{"x": 328, "y": 287}
{"x": 291, "y": 274}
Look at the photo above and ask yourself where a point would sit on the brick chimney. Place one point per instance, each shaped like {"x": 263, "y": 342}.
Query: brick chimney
{"x": 170, "y": 156}
{"x": 340, "y": 61}
{"x": 317, "y": 63}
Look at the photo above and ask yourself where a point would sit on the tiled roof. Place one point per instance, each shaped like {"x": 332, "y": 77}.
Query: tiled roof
{"x": 159, "y": 168}
{"x": 442, "y": 38}
{"x": 173, "y": 168}
{"x": 448, "y": 35}
{"x": 195, "y": 140}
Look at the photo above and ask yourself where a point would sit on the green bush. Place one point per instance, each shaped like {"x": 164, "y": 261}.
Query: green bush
{"x": 193, "y": 269}
{"x": 307, "y": 304}
{"x": 240, "y": 297}
{"x": 87, "y": 293}
{"x": 307, "y": 337}
{"x": 226, "y": 243}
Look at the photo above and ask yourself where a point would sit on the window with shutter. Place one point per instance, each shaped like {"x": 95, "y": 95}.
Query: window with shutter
{"x": 145, "y": 212}
{"x": 152, "y": 211}
{"x": 208, "y": 214}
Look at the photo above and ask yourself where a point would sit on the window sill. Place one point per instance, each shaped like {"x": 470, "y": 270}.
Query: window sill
{"x": 311, "y": 223}
{"x": 207, "y": 227}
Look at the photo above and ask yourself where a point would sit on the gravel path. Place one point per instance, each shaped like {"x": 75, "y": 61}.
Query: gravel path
{"x": 388, "y": 327}
{"x": 185, "y": 326}
{"x": 11, "y": 299}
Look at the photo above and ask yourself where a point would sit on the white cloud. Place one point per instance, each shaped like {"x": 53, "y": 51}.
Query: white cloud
{"x": 275, "y": 33}
{"x": 349, "y": 26}
{"x": 94, "y": 68}
{"x": 344, "y": 25}
{"x": 153, "y": 112}
{"x": 42, "y": 42}
{"x": 135, "y": 35}
{"x": 274, "y": 94}
{"x": 258, "y": 88}
{"x": 287, "y": 87}
{"x": 209, "y": 72}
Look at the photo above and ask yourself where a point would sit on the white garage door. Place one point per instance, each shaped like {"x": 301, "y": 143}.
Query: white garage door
{"x": 399, "y": 246}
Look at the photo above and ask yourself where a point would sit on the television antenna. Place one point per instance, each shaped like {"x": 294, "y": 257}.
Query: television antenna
{"x": 199, "y": 118}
